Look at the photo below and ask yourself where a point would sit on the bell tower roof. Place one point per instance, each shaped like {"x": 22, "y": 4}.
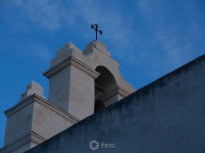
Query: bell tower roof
{"x": 99, "y": 45}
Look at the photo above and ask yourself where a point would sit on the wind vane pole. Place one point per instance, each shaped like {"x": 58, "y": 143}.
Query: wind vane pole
{"x": 96, "y": 29}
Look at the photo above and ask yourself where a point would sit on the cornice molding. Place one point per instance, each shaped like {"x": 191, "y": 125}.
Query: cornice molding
{"x": 42, "y": 101}
{"x": 71, "y": 61}
{"x": 88, "y": 50}
{"x": 23, "y": 140}
{"x": 91, "y": 48}
{"x": 117, "y": 90}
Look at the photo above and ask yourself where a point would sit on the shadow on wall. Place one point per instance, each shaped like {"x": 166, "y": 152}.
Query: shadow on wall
{"x": 103, "y": 84}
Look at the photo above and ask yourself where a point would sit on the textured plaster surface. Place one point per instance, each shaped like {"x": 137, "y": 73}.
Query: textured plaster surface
{"x": 81, "y": 94}
{"x": 73, "y": 91}
{"x": 59, "y": 86}
{"x": 165, "y": 116}
{"x": 25, "y": 147}
{"x": 32, "y": 88}
{"x": 33, "y": 121}
{"x": 112, "y": 100}
{"x": 19, "y": 124}
{"x": 47, "y": 123}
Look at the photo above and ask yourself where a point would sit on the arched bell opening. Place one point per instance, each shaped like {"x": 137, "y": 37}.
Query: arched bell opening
{"x": 103, "y": 84}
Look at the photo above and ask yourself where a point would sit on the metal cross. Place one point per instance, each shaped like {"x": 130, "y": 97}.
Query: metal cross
{"x": 96, "y": 29}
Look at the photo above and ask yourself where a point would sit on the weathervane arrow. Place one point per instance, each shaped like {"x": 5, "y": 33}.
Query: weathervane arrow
{"x": 96, "y": 29}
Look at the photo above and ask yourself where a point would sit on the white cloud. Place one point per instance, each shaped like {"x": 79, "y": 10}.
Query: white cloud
{"x": 52, "y": 15}
{"x": 173, "y": 48}
{"x": 40, "y": 50}
{"x": 45, "y": 14}
{"x": 31, "y": 49}
{"x": 116, "y": 26}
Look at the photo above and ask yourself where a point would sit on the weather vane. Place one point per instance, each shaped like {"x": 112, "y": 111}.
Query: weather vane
{"x": 96, "y": 29}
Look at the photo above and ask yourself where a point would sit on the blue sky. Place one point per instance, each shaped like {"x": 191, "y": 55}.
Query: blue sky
{"x": 149, "y": 38}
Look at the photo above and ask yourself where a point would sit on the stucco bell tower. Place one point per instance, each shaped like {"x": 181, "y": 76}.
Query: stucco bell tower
{"x": 78, "y": 79}
{"x": 81, "y": 83}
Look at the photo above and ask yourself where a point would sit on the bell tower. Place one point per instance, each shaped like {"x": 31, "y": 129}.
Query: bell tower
{"x": 81, "y": 83}
{"x": 78, "y": 79}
